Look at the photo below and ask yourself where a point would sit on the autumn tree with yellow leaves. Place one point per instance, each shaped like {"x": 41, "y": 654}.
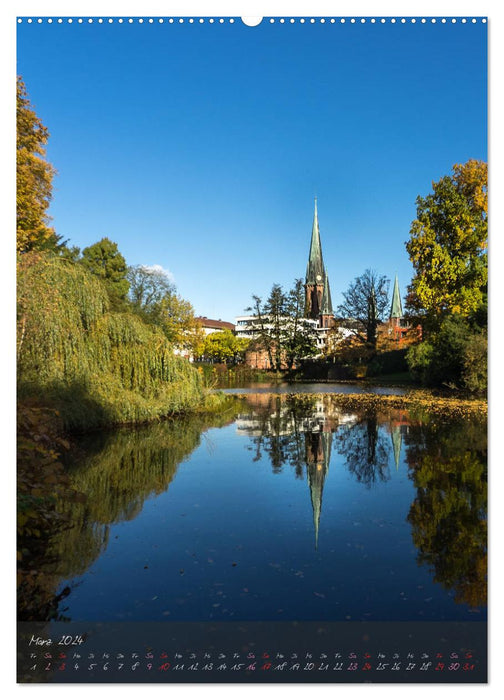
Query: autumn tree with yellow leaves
{"x": 448, "y": 294}
{"x": 34, "y": 175}
{"x": 448, "y": 244}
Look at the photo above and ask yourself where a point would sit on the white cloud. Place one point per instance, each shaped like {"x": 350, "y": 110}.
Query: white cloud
{"x": 159, "y": 269}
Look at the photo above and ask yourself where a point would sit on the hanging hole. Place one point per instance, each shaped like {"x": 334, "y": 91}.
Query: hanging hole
{"x": 251, "y": 21}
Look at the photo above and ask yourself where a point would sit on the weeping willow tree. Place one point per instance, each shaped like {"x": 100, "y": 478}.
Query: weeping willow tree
{"x": 98, "y": 367}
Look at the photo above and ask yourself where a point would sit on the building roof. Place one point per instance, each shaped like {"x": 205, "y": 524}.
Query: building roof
{"x": 212, "y": 323}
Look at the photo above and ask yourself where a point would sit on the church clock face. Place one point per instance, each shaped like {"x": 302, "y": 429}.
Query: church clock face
{"x": 319, "y": 277}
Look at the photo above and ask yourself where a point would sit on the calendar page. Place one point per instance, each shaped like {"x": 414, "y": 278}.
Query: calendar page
{"x": 252, "y": 348}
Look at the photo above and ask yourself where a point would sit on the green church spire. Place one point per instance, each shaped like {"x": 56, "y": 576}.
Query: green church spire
{"x": 396, "y": 309}
{"x": 315, "y": 267}
{"x": 326, "y": 305}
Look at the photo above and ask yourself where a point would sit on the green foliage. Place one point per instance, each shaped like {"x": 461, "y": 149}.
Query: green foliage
{"x": 280, "y": 327}
{"x": 231, "y": 376}
{"x": 97, "y": 366}
{"x": 390, "y": 362}
{"x": 475, "y": 363}
{"x": 34, "y": 177}
{"x": 455, "y": 356}
{"x": 447, "y": 245}
{"x": 105, "y": 261}
{"x": 419, "y": 358}
{"x": 223, "y": 346}
{"x": 154, "y": 298}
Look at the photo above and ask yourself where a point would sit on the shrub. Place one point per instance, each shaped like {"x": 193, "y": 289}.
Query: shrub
{"x": 475, "y": 363}
{"x": 455, "y": 356}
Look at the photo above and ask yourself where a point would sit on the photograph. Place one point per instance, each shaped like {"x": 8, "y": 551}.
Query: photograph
{"x": 251, "y": 349}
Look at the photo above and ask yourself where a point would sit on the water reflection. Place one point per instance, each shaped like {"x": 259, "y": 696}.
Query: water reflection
{"x": 449, "y": 513}
{"x": 366, "y": 449}
{"x": 297, "y": 431}
{"x": 447, "y": 464}
{"x": 118, "y": 471}
{"x": 402, "y": 478}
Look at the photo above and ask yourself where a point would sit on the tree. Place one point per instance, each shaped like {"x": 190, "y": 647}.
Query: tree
{"x": 447, "y": 245}
{"x": 105, "y": 261}
{"x": 365, "y": 449}
{"x": 279, "y": 326}
{"x": 455, "y": 356}
{"x": 366, "y": 301}
{"x": 176, "y": 318}
{"x": 34, "y": 177}
{"x": 224, "y": 346}
{"x": 301, "y": 335}
{"x": 154, "y": 297}
{"x": 147, "y": 287}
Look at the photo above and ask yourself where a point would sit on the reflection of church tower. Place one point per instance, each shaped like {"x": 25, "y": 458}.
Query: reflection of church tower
{"x": 318, "y": 455}
{"x": 396, "y": 444}
{"x": 318, "y": 303}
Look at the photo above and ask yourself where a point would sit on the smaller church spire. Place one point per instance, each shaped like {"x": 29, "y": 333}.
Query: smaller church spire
{"x": 396, "y": 308}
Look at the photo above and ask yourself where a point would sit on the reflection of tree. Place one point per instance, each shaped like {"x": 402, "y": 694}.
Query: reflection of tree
{"x": 366, "y": 450}
{"x": 294, "y": 430}
{"x": 449, "y": 513}
{"x": 280, "y": 424}
{"x": 119, "y": 472}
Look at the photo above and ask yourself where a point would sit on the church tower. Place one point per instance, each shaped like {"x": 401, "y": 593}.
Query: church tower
{"x": 396, "y": 312}
{"x": 318, "y": 303}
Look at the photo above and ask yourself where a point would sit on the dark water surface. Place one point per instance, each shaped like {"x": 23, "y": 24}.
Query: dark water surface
{"x": 285, "y": 508}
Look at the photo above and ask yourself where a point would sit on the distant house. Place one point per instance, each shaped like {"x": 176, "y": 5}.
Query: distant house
{"x": 211, "y": 325}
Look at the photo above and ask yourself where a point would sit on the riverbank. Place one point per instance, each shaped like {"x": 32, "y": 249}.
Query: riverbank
{"x": 417, "y": 399}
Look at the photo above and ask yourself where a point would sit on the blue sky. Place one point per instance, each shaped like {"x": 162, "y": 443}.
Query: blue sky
{"x": 200, "y": 148}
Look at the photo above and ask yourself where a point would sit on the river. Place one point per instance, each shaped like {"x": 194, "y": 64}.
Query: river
{"x": 282, "y": 508}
